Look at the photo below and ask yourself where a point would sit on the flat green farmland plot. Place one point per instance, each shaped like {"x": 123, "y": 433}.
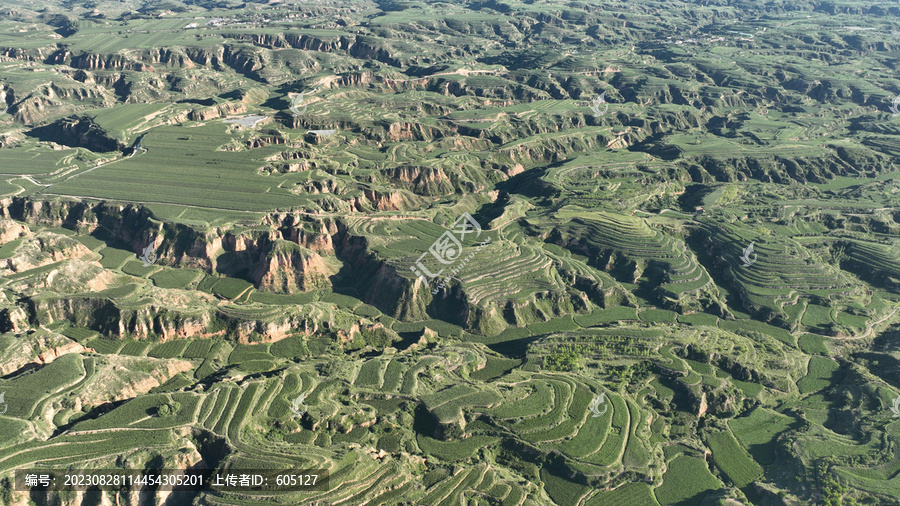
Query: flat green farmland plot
{"x": 185, "y": 166}
{"x": 175, "y": 278}
{"x": 759, "y": 431}
{"x": 113, "y": 258}
{"x": 629, "y": 494}
{"x": 819, "y": 376}
{"x": 733, "y": 460}
{"x": 687, "y": 481}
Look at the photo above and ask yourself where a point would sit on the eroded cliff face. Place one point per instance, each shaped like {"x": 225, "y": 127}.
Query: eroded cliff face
{"x": 290, "y": 252}
{"x": 38, "y": 350}
{"x": 175, "y": 245}
{"x": 401, "y": 296}
{"x": 423, "y": 180}
{"x": 78, "y": 132}
{"x": 293, "y": 269}
{"x": 385, "y": 201}
{"x": 43, "y": 249}
{"x": 11, "y": 230}
{"x": 358, "y": 47}
{"x": 218, "y": 111}
{"x": 815, "y": 169}
{"x": 165, "y": 321}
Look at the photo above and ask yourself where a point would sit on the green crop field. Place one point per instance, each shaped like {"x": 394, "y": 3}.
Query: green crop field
{"x": 198, "y": 349}
{"x": 630, "y": 494}
{"x": 134, "y": 348}
{"x": 758, "y": 431}
{"x": 171, "y": 349}
{"x": 820, "y": 374}
{"x": 174, "y": 278}
{"x": 105, "y": 345}
{"x": 167, "y": 174}
{"x": 733, "y": 460}
{"x": 113, "y": 258}
{"x": 687, "y": 481}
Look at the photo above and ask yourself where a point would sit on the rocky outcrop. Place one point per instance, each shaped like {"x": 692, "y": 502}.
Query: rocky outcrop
{"x": 385, "y": 201}
{"x": 37, "y": 351}
{"x": 817, "y": 169}
{"x": 399, "y": 131}
{"x": 175, "y": 244}
{"x": 55, "y": 99}
{"x": 316, "y": 186}
{"x": 78, "y": 132}
{"x": 165, "y": 322}
{"x": 42, "y": 249}
{"x": 290, "y": 268}
{"x": 422, "y": 180}
{"x": 52, "y": 354}
{"x": 290, "y": 252}
{"x": 10, "y": 230}
{"x": 218, "y": 111}
{"x": 72, "y": 276}
{"x": 13, "y": 319}
{"x": 367, "y": 48}
{"x": 105, "y": 316}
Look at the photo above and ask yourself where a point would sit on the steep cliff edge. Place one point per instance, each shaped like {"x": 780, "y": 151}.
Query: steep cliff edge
{"x": 289, "y": 268}
{"x": 78, "y": 132}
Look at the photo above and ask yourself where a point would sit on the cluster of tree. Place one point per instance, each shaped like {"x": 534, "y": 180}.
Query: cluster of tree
{"x": 168, "y": 409}
{"x": 565, "y": 361}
